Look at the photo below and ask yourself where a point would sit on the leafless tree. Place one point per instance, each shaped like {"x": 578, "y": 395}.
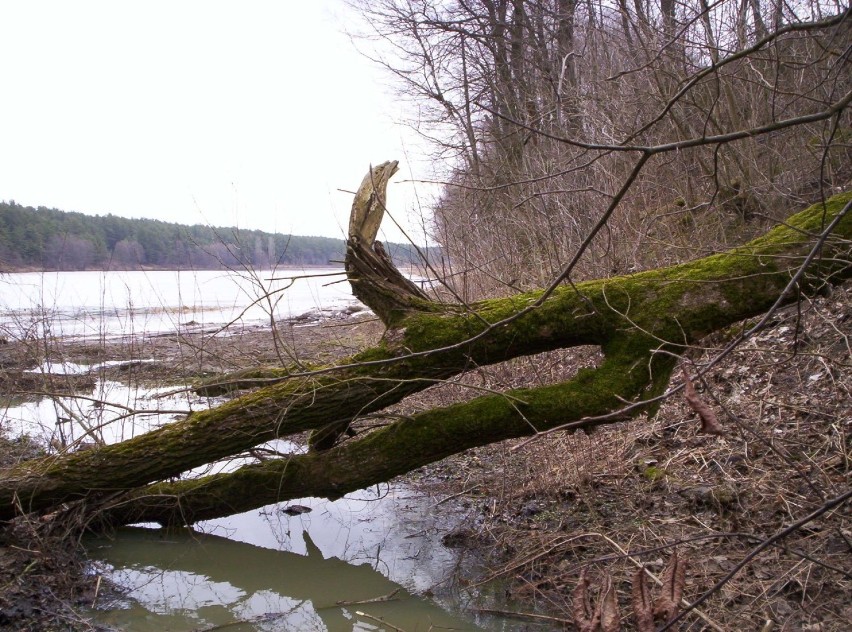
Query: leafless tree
{"x": 543, "y": 108}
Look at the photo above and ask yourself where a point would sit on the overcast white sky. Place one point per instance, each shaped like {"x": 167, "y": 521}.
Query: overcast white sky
{"x": 248, "y": 113}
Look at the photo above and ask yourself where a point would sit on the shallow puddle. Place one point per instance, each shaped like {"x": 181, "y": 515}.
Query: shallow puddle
{"x": 110, "y": 412}
{"x": 263, "y": 569}
{"x": 266, "y": 570}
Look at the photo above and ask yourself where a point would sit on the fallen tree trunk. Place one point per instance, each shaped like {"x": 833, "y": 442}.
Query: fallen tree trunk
{"x": 642, "y": 322}
{"x": 399, "y": 448}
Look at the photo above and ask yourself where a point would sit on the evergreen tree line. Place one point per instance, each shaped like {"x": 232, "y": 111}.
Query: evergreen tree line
{"x": 49, "y": 239}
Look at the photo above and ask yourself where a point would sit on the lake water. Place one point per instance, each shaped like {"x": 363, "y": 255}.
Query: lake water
{"x": 98, "y": 304}
{"x": 263, "y": 569}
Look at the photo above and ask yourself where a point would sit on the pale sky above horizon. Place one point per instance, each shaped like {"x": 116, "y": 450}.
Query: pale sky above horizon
{"x": 225, "y": 113}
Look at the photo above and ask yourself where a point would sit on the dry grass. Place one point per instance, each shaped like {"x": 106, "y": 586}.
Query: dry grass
{"x": 565, "y": 503}
{"x": 44, "y": 581}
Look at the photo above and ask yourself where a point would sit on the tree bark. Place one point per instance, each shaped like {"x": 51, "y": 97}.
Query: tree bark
{"x": 642, "y": 322}
{"x": 372, "y": 275}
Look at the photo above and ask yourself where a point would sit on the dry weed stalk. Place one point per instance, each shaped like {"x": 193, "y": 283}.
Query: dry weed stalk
{"x": 674, "y": 578}
{"x": 605, "y": 616}
{"x": 608, "y": 607}
{"x": 641, "y": 602}
{"x": 709, "y": 422}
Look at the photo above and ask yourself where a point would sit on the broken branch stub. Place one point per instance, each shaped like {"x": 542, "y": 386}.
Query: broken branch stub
{"x": 368, "y": 207}
{"x": 374, "y": 279}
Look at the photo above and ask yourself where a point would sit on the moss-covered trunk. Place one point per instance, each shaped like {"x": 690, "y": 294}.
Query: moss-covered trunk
{"x": 631, "y": 318}
{"x": 398, "y": 448}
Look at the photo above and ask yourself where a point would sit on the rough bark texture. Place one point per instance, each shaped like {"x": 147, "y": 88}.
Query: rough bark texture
{"x": 632, "y": 318}
{"x": 372, "y": 275}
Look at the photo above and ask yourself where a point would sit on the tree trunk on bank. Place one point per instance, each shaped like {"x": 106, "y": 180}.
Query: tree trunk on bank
{"x": 642, "y": 323}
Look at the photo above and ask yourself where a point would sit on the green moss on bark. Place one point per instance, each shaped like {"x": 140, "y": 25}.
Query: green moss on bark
{"x": 639, "y": 321}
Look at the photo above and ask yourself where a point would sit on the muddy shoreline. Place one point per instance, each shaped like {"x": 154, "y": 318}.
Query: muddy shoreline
{"x": 193, "y": 351}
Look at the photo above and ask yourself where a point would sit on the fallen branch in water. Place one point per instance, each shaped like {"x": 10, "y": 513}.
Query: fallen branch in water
{"x": 521, "y": 615}
{"x": 391, "y": 596}
{"x": 379, "y": 620}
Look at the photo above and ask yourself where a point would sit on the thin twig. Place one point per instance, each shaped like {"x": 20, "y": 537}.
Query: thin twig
{"x": 391, "y": 596}
{"x": 521, "y": 615}
{"x": 379, "y": 620}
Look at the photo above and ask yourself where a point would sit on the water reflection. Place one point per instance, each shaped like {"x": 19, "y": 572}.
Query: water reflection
{"x": 189, "y": 580}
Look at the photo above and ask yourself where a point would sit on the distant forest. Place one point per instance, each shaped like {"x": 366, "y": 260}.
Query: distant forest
{"x": 49, "y": 239}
